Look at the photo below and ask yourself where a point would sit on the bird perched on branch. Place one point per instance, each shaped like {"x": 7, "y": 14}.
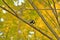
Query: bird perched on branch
{"x": 32, "y": 22}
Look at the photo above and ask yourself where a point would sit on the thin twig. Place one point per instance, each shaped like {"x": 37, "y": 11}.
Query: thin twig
{"x": 40, "y": 9}
{"x": 44, "y": 20}
{"x": 53, "y": 12}
{"x": 51, "y": 8}
{"x": 49, "y": 15}
{"x": 51, "y": 18}
{"x": 56, "y": 14}
{"x": 9, "y": 6}
{"x": 7, "y": 10}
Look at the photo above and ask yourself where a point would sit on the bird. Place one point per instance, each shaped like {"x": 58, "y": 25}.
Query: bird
{"x": 32, "y": 22}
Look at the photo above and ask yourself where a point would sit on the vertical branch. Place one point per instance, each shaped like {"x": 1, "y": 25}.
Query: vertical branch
{"x": 44, "y": 20}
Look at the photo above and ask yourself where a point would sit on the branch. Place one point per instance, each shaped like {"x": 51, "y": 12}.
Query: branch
{"x": 54, "y": 11}
{"x": 48, "y": 13}
{"x": 51, "y": 8}
{"x": 27, "y": 23}
{"x": 54, "y": 23}
{"x": 9, "y": 7}
{"x": 56, "y": 14}
{"x": 44, "y": 20}
{"x": 51, "y": 19}
{"x": 40, "y": 9}
{"x": 7, "y": 10}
